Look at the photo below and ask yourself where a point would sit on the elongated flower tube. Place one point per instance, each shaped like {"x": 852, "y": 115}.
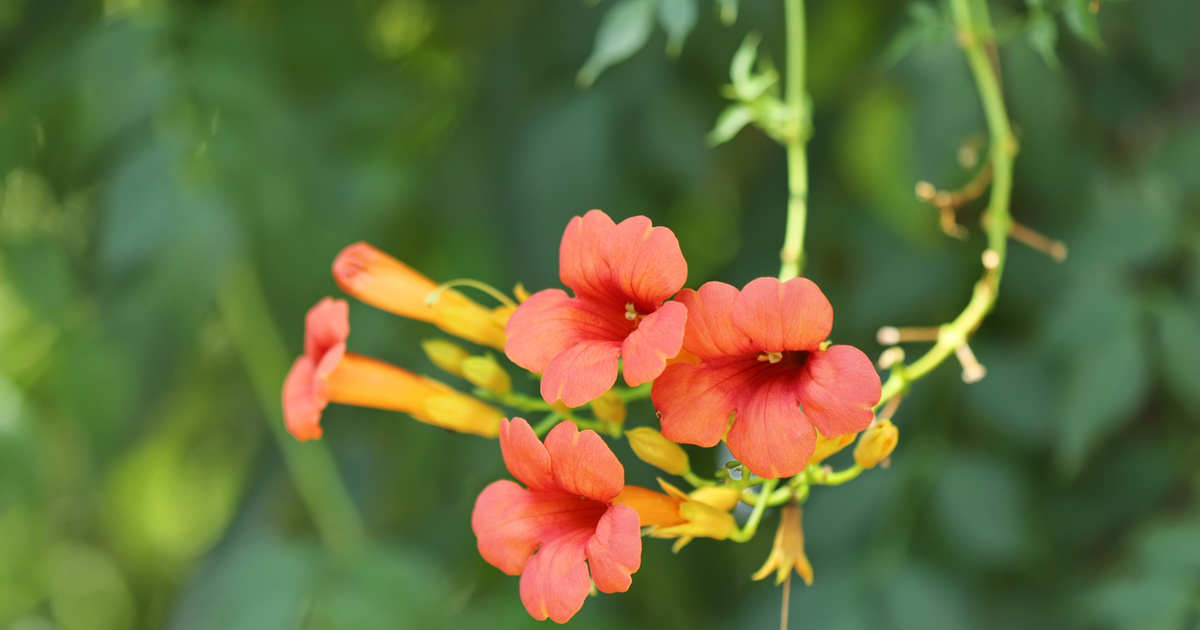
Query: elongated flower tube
{"x": 327, "y": 373}
{"x": 386, "y": 283}
{"x": 563, "y": 525}
{"x": 762, "y": 360}
{"x": 621, "y": 274}
{"x": 702, "y": 514}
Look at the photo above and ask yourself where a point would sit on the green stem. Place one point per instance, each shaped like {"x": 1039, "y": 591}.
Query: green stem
{"x": 547, "y": 423}
{"x": 310, "y": 464}
{"x": 836, "y": 478}
{"x": 634, "y": 393}
{"x": 976, "y": 37}
{"x": 748, "y": 530}
{"x": 792, "y": 255}
{"x": 696, "y": 480}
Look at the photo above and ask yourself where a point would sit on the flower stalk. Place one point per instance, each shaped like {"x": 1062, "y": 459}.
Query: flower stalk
{"x": 796, "y": 100}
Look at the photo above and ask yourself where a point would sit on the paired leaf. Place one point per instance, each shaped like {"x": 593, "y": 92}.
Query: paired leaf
{"x": 623, "y": 31}
{"x": 1042, "y": 32}
{"x": 677, "y": 18}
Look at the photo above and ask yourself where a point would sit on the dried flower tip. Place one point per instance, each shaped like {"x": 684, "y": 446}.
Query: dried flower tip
{"x": 888, "y": 336}
{"x": 890, "y": 357}
{"x": 1036, "y": 240}
{"x": 991, "y": 259}
{"x": 973, "y": 371}
{"x": 925, "y": 191}
{"x": 968, "y": 154}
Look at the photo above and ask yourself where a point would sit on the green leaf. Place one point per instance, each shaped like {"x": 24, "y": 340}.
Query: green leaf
{"x": 982, "y": 502}
{"x": 1083, "y": 22}
{"x": 623, "y": 31}
{"x": 926, "y": 25}
{"x": 1042, "y": 33}
{"x": 1101, "y": 394}
{"x": 729, "y": 122}
{"x": 1172, "y": 548}
{"x": 1179, "y": 333}
{"x": 677, "y": 18}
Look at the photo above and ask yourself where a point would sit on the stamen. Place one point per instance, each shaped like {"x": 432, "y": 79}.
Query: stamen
{"x": 771, "y": 357}
{"x": 630, "y": 311}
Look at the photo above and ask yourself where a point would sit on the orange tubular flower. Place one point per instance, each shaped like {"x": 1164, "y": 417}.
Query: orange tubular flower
{"x": 384, "y": 282}
{"x": 702, "y": 514}
{"x": 621, "y": 274}
{"x": 564, "y": 525}
{"x": 327, "y": 373}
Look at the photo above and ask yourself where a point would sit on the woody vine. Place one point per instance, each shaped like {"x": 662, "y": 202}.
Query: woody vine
{"x": 751, "y": 369}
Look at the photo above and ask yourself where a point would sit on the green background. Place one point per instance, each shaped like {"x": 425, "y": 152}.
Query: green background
{"x": 165, "y": 161}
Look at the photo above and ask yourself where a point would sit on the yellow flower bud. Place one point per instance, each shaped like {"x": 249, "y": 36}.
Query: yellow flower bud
{"x": 447, "y": 355}
{"x": 484, "y": 372}
{"x": 651, "y": 447}
{"x": 876, "y": 443}
{"x": 609, "y": 407}
{"x": 828, "y": 446}
{"x": 788, "y": 551}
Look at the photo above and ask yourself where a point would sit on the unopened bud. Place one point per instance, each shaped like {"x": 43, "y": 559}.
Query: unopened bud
{"x": 876, "y": 443}
{"x": 484, "y": 372}
{"x": 891, "y": 357}
{"x": 610, "y": 408}
{"x": 651, "y": 447}
{"x": 447, "y": 355}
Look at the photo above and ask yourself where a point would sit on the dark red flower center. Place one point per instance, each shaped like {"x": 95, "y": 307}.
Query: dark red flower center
{"x": 793, "y": 359}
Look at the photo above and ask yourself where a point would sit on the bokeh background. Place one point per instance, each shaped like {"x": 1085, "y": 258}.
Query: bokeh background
{"x": 178, "y": 176}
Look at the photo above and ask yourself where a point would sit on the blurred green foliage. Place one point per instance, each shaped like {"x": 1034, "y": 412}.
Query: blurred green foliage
{"x": 155, "y": 153}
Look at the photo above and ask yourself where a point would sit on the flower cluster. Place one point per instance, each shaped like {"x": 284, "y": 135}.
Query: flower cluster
{"x": 751, "y": 368}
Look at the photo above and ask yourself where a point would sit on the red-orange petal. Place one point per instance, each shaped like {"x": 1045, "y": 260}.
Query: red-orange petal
{"x": 302, "y": 404}
{"x": 617, "y": 263}
{"x": 555, "y": 581}
{"x": 770, "y": 434}
{"x": 525, "y": 456}
{"x": 615, "y": 552}
{"x": 694, "y": 400}
{"x": 510, "y": 522}
{"x": 327, "y": 324}
{"x": 583, "y": 464}
{"x": 581, "y": 373}
{"x": 550, "y": 323}
{"x": 839, "y": 388}
{"x": 779, "y": 316}
{"x": 710, "y": 331}
{"x": 658, "y": 337}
